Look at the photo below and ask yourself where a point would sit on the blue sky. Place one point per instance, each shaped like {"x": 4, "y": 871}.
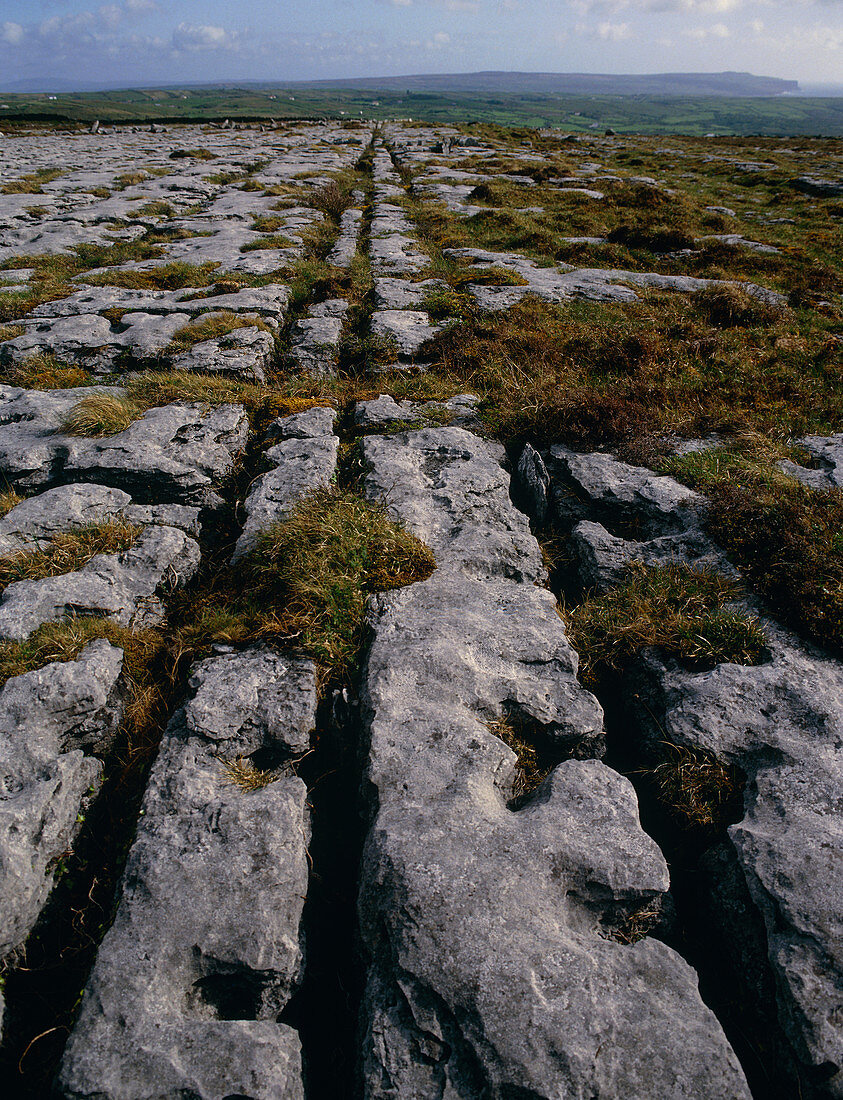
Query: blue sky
{"x": 148, "y": 41}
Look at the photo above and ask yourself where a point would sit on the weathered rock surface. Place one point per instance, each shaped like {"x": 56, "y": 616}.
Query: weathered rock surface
{"x": 300, "y": 464}
{"x": 173, "y": 454}
{"x": 205, "y": 949}
{"x": 488, "y": 931}
{"x": 50, "y": 720}
{"x": 773, "y": 886}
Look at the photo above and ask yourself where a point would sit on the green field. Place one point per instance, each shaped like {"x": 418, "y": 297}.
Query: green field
{"x": 643, "y": 114}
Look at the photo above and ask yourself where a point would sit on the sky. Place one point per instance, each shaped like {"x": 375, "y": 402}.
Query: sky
{"x": 178, "y": 41}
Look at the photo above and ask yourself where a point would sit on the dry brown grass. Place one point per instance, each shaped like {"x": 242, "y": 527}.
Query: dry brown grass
{"x": 101, "y": 414}
{"x": 45, "y": 372}
{"x": 172, "y": 276}
{"x": 30, "y": 184}
{"x": 697, "y": 788}
{"x": 243, "y": 774}
{"x": 212, "y": 327}
{"x": 530, "y": 769}
{"x": 785, "y": 536}
{"x": 8, "y": 500}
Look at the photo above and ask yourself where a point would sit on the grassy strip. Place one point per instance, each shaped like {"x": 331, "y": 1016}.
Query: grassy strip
{"x": 212, "y": 327}
{"x": 309, "y": 577}
{"x": 786, "y": 537}
{"x": 68, "y": 551}
{"x": 595, "y": 374}
{"x": 681, "y": 610}
{"x": 30, "y": 184}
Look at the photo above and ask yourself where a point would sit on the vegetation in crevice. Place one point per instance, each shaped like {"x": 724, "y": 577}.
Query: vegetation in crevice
{"x": 307, "y": 580}
{"x": 689, "y": 614}
{"x": 67, "y": 551}
{"x": 786, "y": 537}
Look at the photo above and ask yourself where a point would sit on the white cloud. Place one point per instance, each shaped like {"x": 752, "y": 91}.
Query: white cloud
{"x": 441, "y": 38}
{"x": 110, "y": 15}
{"x": 190, "y": 37}
{"x": 139, "y": 7}
{"x": 705, "y": 7}
{"x": 12, "y": 33}
{"x": 717, "y": 30}
{"x": 613, "y": 32}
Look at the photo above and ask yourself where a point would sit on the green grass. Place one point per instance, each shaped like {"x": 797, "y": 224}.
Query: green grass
{"x": 684, "y": 612}
{"x": 309, "y": 577}
{"x": 786, "y": 538}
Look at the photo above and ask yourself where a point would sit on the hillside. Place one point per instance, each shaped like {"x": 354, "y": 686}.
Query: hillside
{"x": 421, "y": 613}
{"x": 567, "y": 84}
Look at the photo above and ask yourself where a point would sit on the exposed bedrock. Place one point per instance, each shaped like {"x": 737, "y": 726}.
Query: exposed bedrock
{"x": 172, "y": 454}
{"x": 493, "y": 968}
{"x": 50, "y": 720}
{"x": 773, "y": 885}
{"x": 205, "y": 950}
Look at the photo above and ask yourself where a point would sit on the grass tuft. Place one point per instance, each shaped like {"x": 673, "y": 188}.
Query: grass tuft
{"x": 101, "y": 414}
{"x": 730, "y": 306}
{"x": 331, "y": 199}
{"x": 681, "y": 610}
{"x": 31, "y": 183}
{"x": 697, "y": 788}
{"x": 785, "y": 536}
{"x": 308, "y": 579}
{"x": 324, "y": 561}
{"x": 9, "y": 499}
{"x": 45, "y": 372}
{"x": 212, "y": 327}
{"x": 242, "y": 773}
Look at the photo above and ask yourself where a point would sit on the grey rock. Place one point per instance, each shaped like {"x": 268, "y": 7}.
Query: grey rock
{"x": 456, "y": 1003}
{"x": 631, "y": 495}
{"x": 533, "y": 482}
{"x": 602, "y": 558}
{"x": 385, "y": 412}
{"x": 315, "y": 343}
{"x": 49, "y": 720}
{"x": 253, "y": 701}
{"x": 393, "y": 293}
{"x": 299, "y": 467}
{"x": 828, "y": 450}
{"x": 173, "y": 454}
{"x": 815, "y": 185}
{"x": 780, "y": 723}
{"x": 244, "y": 353}
{"x": 310, "y": 424}
{"x": 205, "y": 949}
{"x": 36, "y": 519}
{"x": 166, "y": 515}
{"x": 408, "y": 328}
